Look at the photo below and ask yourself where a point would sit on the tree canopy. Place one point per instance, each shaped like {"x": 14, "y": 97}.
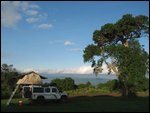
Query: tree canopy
{"x": 126, "y": 28}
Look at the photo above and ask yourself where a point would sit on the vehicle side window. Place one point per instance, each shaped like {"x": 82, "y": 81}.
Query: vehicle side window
{"x": 54, "y": 90}
{"x": 26, "y": 89}
{"x": 38, "y": 90}
{"x": 47, "y": 90}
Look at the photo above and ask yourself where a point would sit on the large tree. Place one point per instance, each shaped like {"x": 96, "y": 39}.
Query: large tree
{"x": 115, "y": 46}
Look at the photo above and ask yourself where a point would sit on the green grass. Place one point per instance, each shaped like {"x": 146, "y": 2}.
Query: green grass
{"x": 101, "y": 103}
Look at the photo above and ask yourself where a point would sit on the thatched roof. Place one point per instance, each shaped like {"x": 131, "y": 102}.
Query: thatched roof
{"x": 42, "y": 77}
{"x": 31, "y": 78}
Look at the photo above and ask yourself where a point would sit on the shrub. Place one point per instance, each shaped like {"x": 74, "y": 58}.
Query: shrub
{"x": 110, "y": 85}
{"x": 143, "y": 85}
{"x": 64, "y": 84}
{"x": 87, "y": 85}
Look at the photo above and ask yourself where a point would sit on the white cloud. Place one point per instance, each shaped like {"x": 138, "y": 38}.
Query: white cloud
{"x": 9, "y": 14}
{"x": 24, "y": 6}
{"x": 45, "y": 26}
{"x": 32, "y": 20}
{"x": 32, "y": 12}
{"x": 13, "y": 11}
{"x": 37, "y": 18}
{"x": 28, "y": 70}
{"x": 85, "y": 69}
{"x": 42, "y": 16}
{"x": 80, "y": 70}
{"x": 67, "y": 42}
{"x": 105, "y": 69}
{"x": 16, "y": 3}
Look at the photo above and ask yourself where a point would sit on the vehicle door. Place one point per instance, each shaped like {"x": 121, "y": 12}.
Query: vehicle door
{"x": 47, "y": 94}
{"x": 55, "y": 93}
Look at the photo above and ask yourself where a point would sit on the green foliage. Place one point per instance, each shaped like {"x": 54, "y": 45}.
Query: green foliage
{"x": 5, "y": 91}
{"x": 64, "y": 84}
{"x": 102, "y": 88}
{"x": 143, "y": 85}
{"x": 126, "y": 28}
{"x": 90, "y": 51}
{"x": 7, "y": 68}
{"x": 88, "y": 91}
{"x": 87, "y": 85}
{"x": 111, "y": 85}
{"x": 57, "y": 82}
{"x": 131, "y": 63}
{"x": 128, "y": 57}
{"x": 8, "y": 80}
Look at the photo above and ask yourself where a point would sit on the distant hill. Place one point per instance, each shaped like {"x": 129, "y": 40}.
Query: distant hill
{"x": 81, "y": 78}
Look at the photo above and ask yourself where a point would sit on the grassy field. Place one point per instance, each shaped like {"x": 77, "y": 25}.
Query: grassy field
{"x": 91, "y": 103}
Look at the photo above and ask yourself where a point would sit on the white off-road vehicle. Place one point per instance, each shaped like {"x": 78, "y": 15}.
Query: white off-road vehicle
{"x": 40, "y": 93}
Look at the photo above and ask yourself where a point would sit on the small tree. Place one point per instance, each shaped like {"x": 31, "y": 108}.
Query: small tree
{"x": 68, "y": 83}
{"x": 9, "y": 77}
{"x": 64, "y": 84}
{"x": 57, "y": 82}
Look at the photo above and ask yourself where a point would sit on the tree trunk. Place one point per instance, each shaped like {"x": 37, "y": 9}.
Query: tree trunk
{"x": 126, "y": 44}
{"x": 128, "y": 91}
{"x": 124, "y": 87}
{"x": 125, "y": 92}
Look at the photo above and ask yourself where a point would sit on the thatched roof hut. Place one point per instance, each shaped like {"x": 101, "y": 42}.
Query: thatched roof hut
{"x": 30, "y": 78}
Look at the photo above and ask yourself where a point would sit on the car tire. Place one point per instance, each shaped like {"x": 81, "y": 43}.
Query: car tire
{"x": 64, "y": 99}
{"x": 41, "y": 99}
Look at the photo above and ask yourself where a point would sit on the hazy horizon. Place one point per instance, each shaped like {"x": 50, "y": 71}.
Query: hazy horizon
{"x": 83, "y": 78}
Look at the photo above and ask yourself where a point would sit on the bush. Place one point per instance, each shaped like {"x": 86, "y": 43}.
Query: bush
{"x": 8, "y": 80}
{"x": 64, "y": 84}
{"x": 5, "y": 91}
{"x": 143, "y": 85}
{"x": 111, "y": 85}
{"x": 87, "y": 85}
{"x": 87, "y": 91}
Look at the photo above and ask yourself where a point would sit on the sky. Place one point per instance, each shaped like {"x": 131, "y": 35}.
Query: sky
{"x": 50, "y": 36}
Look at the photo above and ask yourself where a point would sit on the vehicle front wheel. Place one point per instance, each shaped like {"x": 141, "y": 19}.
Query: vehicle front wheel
{"x": 41, "y": 99}
{"x": 64, "y": 99}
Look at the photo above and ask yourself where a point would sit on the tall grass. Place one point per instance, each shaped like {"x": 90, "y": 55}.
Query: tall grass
{"x": 88, "y": 91}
